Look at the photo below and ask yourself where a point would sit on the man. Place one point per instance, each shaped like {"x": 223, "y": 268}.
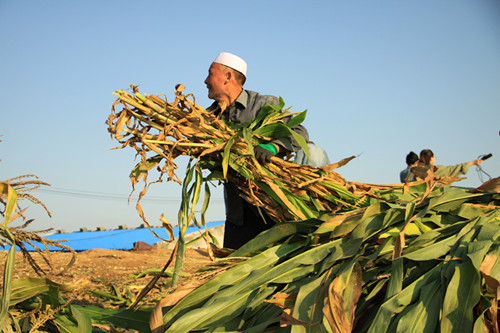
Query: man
{"x": 411, "y": 161}
{"x": 225, "y": 80}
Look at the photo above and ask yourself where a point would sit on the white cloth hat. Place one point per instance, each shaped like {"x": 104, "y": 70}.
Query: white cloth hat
{"x": 232, "y": 61}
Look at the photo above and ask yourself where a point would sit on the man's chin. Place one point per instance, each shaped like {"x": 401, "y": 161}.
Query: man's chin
{"x": 213, "y": 96}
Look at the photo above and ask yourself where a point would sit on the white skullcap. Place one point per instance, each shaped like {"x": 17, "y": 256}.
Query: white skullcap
{"x": 232, "y": 61}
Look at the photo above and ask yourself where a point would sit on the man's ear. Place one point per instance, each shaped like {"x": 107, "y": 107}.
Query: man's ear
{"x": 229, "y": 75}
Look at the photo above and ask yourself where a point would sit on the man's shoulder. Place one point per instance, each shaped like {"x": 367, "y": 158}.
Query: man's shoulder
{"x": 254, "y": 94}
{"x": 256, "y": 97}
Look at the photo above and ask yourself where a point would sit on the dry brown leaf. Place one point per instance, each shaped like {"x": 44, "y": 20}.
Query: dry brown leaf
{"x": 334, "y": 311}
{"x": 283, "y": 300}
{"x": 491, "y": 185}
{"x": 156, "y": 318}
{"x": 168, "y": 227}
{"x": 287, "y": 319}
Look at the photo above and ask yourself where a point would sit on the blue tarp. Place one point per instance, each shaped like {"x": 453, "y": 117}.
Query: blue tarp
{"x": 121, "y": 239}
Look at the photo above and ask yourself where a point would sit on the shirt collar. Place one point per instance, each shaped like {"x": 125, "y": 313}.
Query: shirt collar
{"x": 242, "y": 98}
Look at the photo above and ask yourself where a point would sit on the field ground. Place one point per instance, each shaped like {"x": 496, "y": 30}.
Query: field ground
{"x": 111, "y": 271}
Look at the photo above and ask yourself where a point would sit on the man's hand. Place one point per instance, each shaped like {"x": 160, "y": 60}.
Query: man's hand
{"x": 264, "y": 152}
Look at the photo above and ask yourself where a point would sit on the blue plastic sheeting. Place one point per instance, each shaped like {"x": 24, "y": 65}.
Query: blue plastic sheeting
{"x": 122, "y": 239}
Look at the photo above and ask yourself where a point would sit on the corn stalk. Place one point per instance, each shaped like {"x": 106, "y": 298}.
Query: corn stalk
{"x": 13, "y": 235}
{"x": 15, "y": 309}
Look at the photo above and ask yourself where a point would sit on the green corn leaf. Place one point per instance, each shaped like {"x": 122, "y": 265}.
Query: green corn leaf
{"x": 341, "y": 224}
{"x": 461, "y": 296}
{"x": 301, "y": 141}
{"x": 274, "y": 131}
{"x": 396, "y": 280}
{"x": 266, "y": 112}
{"x": 66, "y": 324}
{"x": 396, "y": 303}
{"x": 6, "y": 299}
{"x": 469, "y": 211}
{"x": 225, "y": 156}
{"x": 196, "y": 193}
{"x": 451, "y": 198}
{"x": 239, "y": 323}
{"x": 296, "y": 273}
{"x": 340, "y": 248}
{"x": 247, "y": 137}
{"x": 297, "y": 120}
{"x": 424, "y": 315}
{"x": 106, "y": 295}
{"x": 351, "y": 288}
{"x": 378, "y": 287}
{"x": 206, "y": 202}
{"x": 495, "y": 269}
{"x": 23, "y": 289}
{"x": 83, "y": 320}
{"x": 223, "y": 310}
{"x": 307, "y": 308}
{"x": 10, "y": 206}
{"x": 277, "y": 195}
{"x": 238, "y": 295}
{"x": 240, "y": 168}
{"x": 478, "y": 249}
{"x": 123, "y": 318}
{"x": 273, "y": 236}
{"x": 438, "y": 249}
{"x": 229, "y": 278}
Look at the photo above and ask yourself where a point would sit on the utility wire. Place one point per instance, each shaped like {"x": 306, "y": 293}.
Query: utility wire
{"x": 110, "y": 196}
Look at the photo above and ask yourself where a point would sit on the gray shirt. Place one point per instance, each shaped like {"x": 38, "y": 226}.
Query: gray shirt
{"x": 403, "y": 175}
{"x": 318, "y": 156}
{"x": 246, "y": 108}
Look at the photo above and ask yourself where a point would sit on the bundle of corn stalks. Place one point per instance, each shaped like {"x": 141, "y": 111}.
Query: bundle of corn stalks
{"x": 285, "y": 190}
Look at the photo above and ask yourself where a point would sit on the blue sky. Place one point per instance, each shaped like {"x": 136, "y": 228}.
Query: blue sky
{"x": 378, "y": 78}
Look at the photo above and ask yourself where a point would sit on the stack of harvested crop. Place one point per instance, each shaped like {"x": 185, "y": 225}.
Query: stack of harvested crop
{"x": 285, "y": 190}
{"x": 426, "y": 265}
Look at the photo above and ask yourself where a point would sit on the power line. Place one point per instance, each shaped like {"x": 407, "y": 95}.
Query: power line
{"x": 110, "y": 196}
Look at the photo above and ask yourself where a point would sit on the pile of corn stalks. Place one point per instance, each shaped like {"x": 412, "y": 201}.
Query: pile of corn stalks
{"x": 418, "y": 264}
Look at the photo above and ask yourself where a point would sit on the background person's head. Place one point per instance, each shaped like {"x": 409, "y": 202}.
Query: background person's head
{"x": 411, "y": 158}
{"x": 427, "y": 157}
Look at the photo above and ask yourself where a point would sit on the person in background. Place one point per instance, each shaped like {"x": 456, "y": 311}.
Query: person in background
{"x": 318, "y": 156}
{"x": 411, "y": 161}
{"x": 225, "y": 80}
{"x": 427, "y": 159}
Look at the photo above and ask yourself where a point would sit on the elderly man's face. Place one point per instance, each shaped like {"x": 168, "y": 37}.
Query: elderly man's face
{"x": 215, "y": 81}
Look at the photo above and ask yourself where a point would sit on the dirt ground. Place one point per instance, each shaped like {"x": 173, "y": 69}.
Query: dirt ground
{"x": 121, "y": 274}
